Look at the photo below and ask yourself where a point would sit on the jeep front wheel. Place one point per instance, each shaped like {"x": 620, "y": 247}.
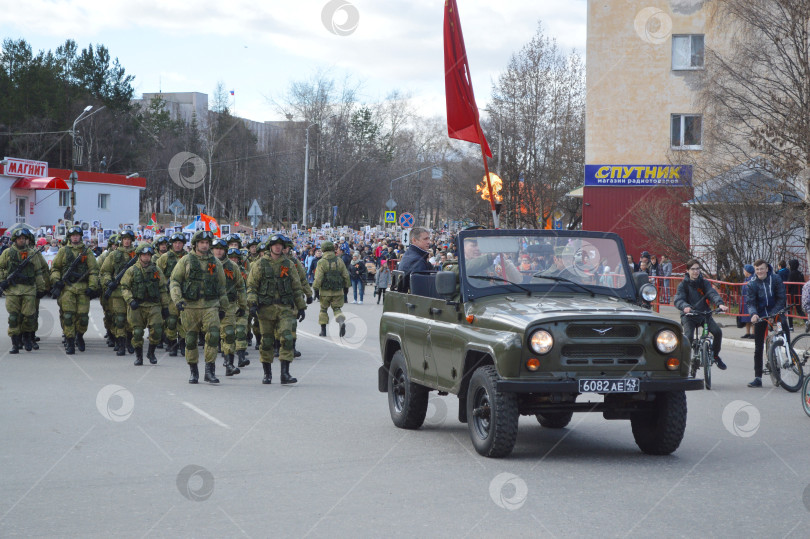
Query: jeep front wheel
{"x": 407, "y": 401}
{"x": 492, "y": 414}
{"x": 555, "y": 420}
{"x": 659, "y": 429}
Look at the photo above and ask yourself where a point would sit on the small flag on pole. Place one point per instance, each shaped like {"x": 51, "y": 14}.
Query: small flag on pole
{"x": 231, "y": 92}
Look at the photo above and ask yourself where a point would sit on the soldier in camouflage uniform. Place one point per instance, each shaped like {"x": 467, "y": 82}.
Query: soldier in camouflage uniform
{"x": 274, "y": 293}
{"x": 21, "y": 290}
{"x": 113, "y": 264}
{"x": 253, "y": 323}
{"x": 143, "y": 288}
{"x": 74, "y": 272}
{"x": 235, "y": 256}
{"x": 307, "y": 289}
{"x": 175, "y": 334}
{"x": 235, "y": 290}
{"x": 331, "y": 285}
{"x": 31, "y": 325}
{"x": 161, "y": 247}
{"x": 109, "y": 324}
{"x": 197, "y": 288}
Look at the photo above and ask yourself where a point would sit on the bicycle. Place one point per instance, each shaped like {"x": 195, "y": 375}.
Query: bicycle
{"x": 703, "y": 347}
{"x": 784, "y": 365}
{"x": 801, "y": 345}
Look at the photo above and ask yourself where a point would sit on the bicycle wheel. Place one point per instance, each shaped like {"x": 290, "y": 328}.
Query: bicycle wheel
{"x": 806, "y": 396}
{"x": 706, "y": 363}
{"x": 801, "y": 345}
{"x": 790, "y": 371}
{"x": 773, "y": 365}
{"x": 695, "y": 361}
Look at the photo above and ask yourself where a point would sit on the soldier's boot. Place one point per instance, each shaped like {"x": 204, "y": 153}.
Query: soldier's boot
{"x": 139, "y": 355}
{"x": 110, "y": 340}
{"x": 173, "y": 348}
{"x": 182, "y": 347}
{"x": 16, "y": 342}
{"x": 80, "y": 342}
{"x": 70, "y": 346}
{"x": 286, "y": 377}
{"x": 121, "y": 349}
{"x": 195, "y": 373}
{"x": 243, "y": 361}
{"x": 268, "y": 373}
{"x": 342, "y": 329}
{"x": 28, "y": 343}
{"x": 230, "y": 370}
{"x": 150, "y": 354}
{"x": 258, "y": 341}
{"x": 323, "y": 331}
{"x": 34, "y": 340}
{"x": 130, "y": 348}
{"x": 276, "y": 347}
{"x": 296, "y": 353}
{"x": 210, "y": 373}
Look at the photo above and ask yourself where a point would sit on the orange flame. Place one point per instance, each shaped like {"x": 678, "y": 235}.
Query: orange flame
{"x": 497, "y": 185}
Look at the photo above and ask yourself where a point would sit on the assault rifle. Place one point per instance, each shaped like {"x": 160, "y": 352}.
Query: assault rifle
{"x": 12, "y": 277}
{"x": 59, "y": 285}
{"x": 117, "y": 280}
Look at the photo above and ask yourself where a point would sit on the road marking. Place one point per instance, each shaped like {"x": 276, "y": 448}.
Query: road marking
{"x": 206, "y": 415}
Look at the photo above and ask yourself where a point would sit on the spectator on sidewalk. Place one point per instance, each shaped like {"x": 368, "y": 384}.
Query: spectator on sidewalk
{"x": 744, "y": 320}
{"x": 794, "y": 291}
{"x": 665, "y": 270}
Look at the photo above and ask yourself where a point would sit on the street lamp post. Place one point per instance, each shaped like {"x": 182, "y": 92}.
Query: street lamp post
{"x": 73, "y": 174}
{"x": 306, "y": 177}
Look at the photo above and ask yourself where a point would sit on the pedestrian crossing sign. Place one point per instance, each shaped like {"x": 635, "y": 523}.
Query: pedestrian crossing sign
{"x": 390, "y": 217}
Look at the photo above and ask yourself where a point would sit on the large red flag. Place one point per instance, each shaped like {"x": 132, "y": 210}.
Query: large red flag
{"x": 462, "y": 112}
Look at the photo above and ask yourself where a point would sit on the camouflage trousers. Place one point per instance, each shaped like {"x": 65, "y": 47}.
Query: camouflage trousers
{"x": 20, "y": 310}
{"x": 31, "y": 324}
{"x": 272, "y": 319}
{"x": 118, "y": 310}
{"x": 145, "y": 316}
{"x": 173, "y": 327}
{"x": 74, "y": 308}
{"x": 336, "y": 302}
{"x": 230, "y": 330}
{"x": 196, "y": 321}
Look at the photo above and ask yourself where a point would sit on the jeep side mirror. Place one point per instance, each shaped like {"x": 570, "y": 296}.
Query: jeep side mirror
{"x": 446, "y": 283}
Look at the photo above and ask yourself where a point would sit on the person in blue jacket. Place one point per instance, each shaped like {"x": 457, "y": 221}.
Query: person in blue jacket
{"x": 765, "y": 296}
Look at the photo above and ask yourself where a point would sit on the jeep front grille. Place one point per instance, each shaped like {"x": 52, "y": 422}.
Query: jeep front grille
{"x": 602, "y": 331}
{"x": 609, "y": 353}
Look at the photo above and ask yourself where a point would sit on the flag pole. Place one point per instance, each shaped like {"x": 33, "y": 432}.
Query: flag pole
{"x": 486, "y": 172}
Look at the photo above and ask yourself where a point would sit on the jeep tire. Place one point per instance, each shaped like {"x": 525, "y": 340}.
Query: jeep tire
{"x": 492, "y": 415}
{"x": 659, "y": 429}
{"x": 555, "y": 420}
{"x": 407, "y": 401}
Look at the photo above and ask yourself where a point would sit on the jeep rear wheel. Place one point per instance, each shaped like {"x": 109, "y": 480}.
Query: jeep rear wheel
{"x": 492, "y": 415}
{"x": 659, "y": 429}
{"x": 407, "y": 401}
{"x": 555, "y": 420}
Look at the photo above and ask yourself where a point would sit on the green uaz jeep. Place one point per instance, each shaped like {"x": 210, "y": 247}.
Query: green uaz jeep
{"x": 527, "y": 322}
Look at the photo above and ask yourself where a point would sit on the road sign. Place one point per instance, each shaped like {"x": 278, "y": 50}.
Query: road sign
{"x": 176, "y": 207}
{"x": 405, "y": 237}
{"x": 255, "y": 210}
{"x": 406, "y": 220}
{"x": 200, "y": 207}
{"x": 391, "y": 204}
{"x": 390, "y": 217}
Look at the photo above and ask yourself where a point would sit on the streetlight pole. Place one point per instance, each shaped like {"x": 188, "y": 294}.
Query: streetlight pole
{"x": 73, "y": 174}
{"x": 306, "y": 177}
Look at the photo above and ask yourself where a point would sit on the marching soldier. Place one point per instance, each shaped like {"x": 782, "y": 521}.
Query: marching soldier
{"x": 253, "y": 250}
{"x": 235, "y": 290}
{"x": 197, "y": 288}
{"x": 235, "y": 256}
{"x": 302, "y": 275}
{"x": 274, "y": 294}
{"x": 175, "y": 334}
{"x": 161, "y": 246}
{"x": 143, "y": 289}
{"x": 31, "y": 325}
{"x": 113, "y": 265}
{"x": 109, "y": 324}
{"x": 21, "y": 281}
{"x": 74, "y": 272}
{"x": 331, "y": 284}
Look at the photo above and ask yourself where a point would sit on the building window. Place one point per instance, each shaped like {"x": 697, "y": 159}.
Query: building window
{"x": 687, "y": 133}
{"x": 64, "y": 198}
{"x": 687, "y": 52}
{"x": 103, "y": 201}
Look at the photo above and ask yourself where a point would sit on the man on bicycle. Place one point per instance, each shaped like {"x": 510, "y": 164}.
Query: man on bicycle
{"x": 765, "y": 296}
{"x": 696, "y": 294}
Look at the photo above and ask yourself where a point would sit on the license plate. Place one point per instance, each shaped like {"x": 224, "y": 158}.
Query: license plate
{"x": 609, "y": 385}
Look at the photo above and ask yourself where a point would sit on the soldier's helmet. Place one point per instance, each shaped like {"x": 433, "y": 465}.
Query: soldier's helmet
{"x": 22, "y": 233}
{"x": 161, "y": 239}
{"x": 75, "y": 230}
{"x": 276, "y": 238}
{"x": 125, "y": 233}
{"x": 253, "y": 241}
{"x": 262, "y": 247}
{"x": 204, "y": 235}
{"x": 145, "y": 248}
{"x": 219, "y": 243}
{"x": 288, "y": 242}
{"x": 233, "y": 251}
{"x": 113, "y": 240}
{"x": 231, "y": 238}
{"x": 178, "y": 237}
{"x": 327, "y": 245}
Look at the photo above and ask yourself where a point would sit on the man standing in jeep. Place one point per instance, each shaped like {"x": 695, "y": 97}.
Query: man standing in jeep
{"x": 331, "y": 285}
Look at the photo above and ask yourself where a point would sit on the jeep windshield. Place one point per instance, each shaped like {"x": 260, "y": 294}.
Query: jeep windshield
{"x": 543, "y": 261}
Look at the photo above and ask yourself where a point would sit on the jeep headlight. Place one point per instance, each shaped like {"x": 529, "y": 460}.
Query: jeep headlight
{"x": 541, "y": 341}
{"x": 648, "y": 293}
{"x": 666, "y": 341}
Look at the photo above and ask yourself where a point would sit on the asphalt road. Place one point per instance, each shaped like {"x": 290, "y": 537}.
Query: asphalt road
{"x": 93, "y": 446}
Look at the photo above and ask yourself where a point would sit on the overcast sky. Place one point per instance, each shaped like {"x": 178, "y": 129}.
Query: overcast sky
{"x": 258, "y": 48}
